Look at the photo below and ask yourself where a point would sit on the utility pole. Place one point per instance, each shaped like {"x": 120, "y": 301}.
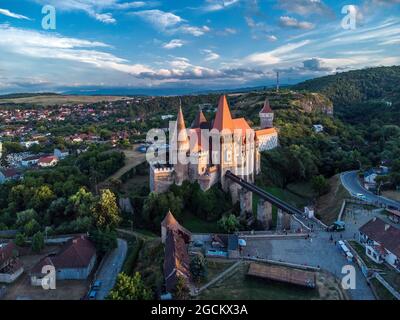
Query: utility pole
{"x": 277, "y": 81}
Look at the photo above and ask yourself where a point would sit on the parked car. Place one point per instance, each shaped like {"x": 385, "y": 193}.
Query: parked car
{"x": 96, "y": 285}
{"x": 361, "y": 196}
{"x": 337, "y": 226}
{"x": 92, "y": 295}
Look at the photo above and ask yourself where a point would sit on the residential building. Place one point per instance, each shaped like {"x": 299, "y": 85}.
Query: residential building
{"x": 11, "y": 266}
{"x": 61, "y": 154}
{"x": 381, "y": 241}
{"x": 9, "y": 174}
{"x": 75, "y": 261}
{"x": 47, "y": 161}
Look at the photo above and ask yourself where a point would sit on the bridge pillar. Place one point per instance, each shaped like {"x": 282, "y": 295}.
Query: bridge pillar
{"x": 246, "y": 202}
{"x": 284, "y": 220}
{"x": 264, "y": 214}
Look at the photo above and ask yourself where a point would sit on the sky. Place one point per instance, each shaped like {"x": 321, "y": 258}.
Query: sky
{"x": 190, "y": 44}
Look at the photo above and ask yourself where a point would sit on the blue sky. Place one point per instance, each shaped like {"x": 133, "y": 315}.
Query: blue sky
{"x": 200, "y": 44}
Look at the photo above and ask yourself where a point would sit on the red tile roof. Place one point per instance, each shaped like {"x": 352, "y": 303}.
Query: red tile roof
{"x": 47, "y": 159}
{"x": 223, "y": 118}
{"x": 7, "y": 252}
{"x": 74, "y": 254}
{"x": 267, "y": 107}
{"x": 383, "y": 233}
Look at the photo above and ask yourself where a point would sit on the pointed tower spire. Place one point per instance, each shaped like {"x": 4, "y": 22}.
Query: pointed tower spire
{"x": 223, "y": 118}
{"x": 180, "y": 125}
{"x": 267, "y": 107}
{"x": 200, "y": 120}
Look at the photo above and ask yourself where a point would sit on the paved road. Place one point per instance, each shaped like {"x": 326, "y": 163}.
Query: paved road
{"x": 352, "y": 184}
{"x": 110, "y": 269}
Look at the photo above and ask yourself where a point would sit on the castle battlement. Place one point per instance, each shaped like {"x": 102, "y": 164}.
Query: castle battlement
{"x": 157, "y": 168}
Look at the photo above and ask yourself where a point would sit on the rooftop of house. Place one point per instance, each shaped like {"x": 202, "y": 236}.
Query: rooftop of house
{"x": 47, "y": 159}
{"x": 383, "y": 233}
{"x": 7, "y": 251}
{"x": 9, "y": 172}
{"x": 74, "y": 254}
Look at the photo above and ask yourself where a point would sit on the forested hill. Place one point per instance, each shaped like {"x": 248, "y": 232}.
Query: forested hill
{"x": 354, "y": 87}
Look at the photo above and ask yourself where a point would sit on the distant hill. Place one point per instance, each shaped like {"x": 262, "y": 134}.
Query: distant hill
{"x": 358, "y": 86}
{"x": 26, "y": 95}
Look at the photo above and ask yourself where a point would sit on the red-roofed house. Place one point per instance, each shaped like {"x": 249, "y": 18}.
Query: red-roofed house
{"x": 75, "y": 261}
{"x": 382, "y": 242}
{"x": 48, "y": 161}
{"x": 10, "y": 265}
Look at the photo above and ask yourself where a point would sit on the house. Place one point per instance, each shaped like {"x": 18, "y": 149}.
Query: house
{"x": 369, "y": 181}
{"x": 28, "y": 144}
{"x": 176, "y": 260}
{"x": 75, "y": 261}
{"x": 9, "y": 175}
{"x": 30, "y": 161}
{"x": 318, "y": 128}
{"x": 11, "y": 266}
{"x": 47, "y": 161}
{"x": 381, "y": 241}
{"x": 394, "y": 215}
{"x": 61, "y": 154}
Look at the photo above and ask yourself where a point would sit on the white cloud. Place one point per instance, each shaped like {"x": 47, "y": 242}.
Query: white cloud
{"x": 210, "y": 55}
{"x": 306, "y": 7}
{"x": 290, "y": 22}
{"x": 10, "y": 14}
{"x": 175, "y": 43}
{"x": 98, "y": 9}
{"x": 272, "y": 38}
{"x": 217, "y": 5}
{"x": 159, "y": 19}
{"x": 275, "y": 56}
{"x": 53, "y": 46}
{"x": 169, "y": 22}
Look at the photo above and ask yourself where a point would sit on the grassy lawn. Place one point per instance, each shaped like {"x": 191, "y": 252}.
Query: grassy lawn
{"x": 381, "y": 291}
{"x": 241, "y": 287}
{"x": 328, "y": 206}
{"x": 214, "y": 268}
{"x": 303, "y": 189}
{"x": 198, "y": 225}
{"x": 361, "y": 252}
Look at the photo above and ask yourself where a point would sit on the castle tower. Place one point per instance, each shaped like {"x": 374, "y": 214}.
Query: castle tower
{"x": 200, "y": 121}
{"x": 223, "y": 123}
{"x": 266, "y": 116}
{"x": 182, "y": 150}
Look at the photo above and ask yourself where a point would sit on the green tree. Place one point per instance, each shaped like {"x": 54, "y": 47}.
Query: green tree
{"x": 198, "y": 267}
{"x": 20, "y": 239}
{"x": 106, "y": 212}
{"x": 37, "y": 242}
{"x": 130, "y": 288}
{"x": 105, "y": 240}
{"x": 31, "y": 227}
{"x": 229, "y": 223}
{"x": 320, "y": 185}
{"x": 181, "y": 291}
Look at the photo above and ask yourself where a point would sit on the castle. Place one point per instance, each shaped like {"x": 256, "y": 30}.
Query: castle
{"x": 208, "y": 149}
